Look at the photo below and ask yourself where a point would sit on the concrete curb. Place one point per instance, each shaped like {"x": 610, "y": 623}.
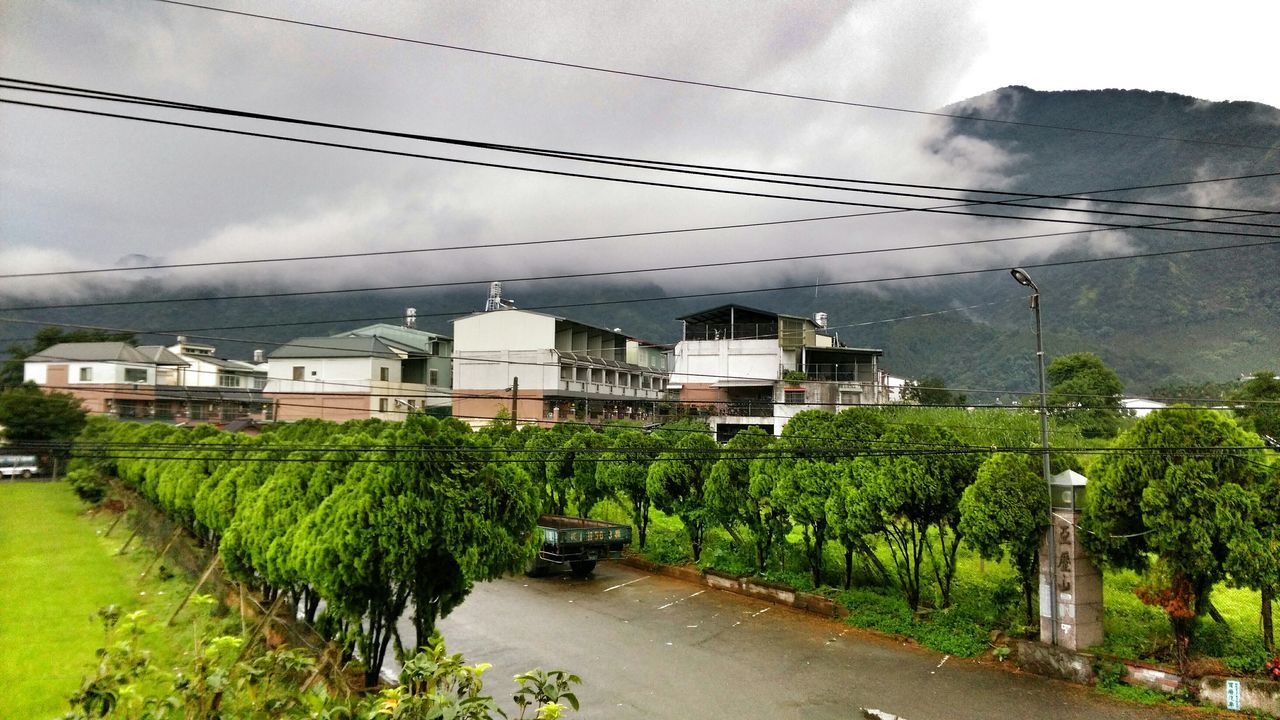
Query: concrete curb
{"x": 776, "y": 593}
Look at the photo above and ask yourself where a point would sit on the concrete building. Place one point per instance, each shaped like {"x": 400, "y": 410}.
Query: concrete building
{"x": 378, "y": 371}
{"x": 742, "y": 367}
{"x": 556, "y": 369}
{"x": 150, "y": 382}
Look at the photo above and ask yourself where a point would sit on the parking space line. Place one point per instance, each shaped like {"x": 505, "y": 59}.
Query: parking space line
{"x": 615, "y": 587}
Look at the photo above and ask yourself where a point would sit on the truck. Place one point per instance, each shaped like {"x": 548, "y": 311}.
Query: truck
{"x": 577, "y": 543}
{"x": 12, "y": 466}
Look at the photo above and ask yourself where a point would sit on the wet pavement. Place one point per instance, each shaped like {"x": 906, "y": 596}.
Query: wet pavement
{"x": 655, "y": 647}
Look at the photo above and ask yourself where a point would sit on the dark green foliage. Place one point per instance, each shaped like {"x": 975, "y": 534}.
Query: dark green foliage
{"x": 29, "y": 414}
{"x": 1260, "y": 408}
{"x": 1186, "y": 505}
{"x": 931, "y": 390}
{"x": 625, "y": 470}
{"x": 1085, "y": 392}
{"x": 88, "y": 485}
{"x": 1007, "y": 510}
{"x": 739, "y": 494}
{"x": 947, "y": 631}
{"x": 677, "y": 484}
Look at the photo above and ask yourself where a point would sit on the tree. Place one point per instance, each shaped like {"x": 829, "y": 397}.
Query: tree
{"x": 625, "y": 469}
{"x": 1253, "y": 556}
{"x": 677, "y": 484}
{"x": 739, "y": 493}
{"x": 1006, "y": 510}
{"x": 1262, "y": 414}
{"x": 1085, "y": 392}
{"x": 911, "y": 493}
{"x": 28, "y": 414}
{"x": 931, "y": 390}
{"x": 11, "y": 372}
{"x": 1165, "y": 501}
{"x": 806, "y": 478}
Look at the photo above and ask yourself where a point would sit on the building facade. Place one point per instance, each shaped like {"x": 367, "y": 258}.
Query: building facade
{"x": 743, "y": 367}
{"x": 378, "y": 371}
{"x": 551, "y": 369}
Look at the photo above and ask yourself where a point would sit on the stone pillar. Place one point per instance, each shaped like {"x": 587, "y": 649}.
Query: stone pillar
{"x": 1079, "y": 587}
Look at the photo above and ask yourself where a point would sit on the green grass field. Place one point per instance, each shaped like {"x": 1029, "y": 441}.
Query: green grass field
{"x": 56, "y": 570}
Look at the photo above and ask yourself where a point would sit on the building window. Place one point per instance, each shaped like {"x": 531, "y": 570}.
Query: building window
{"x": 231, "y": 381}
{"x": 259, "y": 383}
{"x": 299, "y": 372}
{"x": 133, "y": 375}
{"x": 849, "y": 397}
{"x": 382, "y": 404}
{"x": 384, "y": 374}
{"x": 793, "y": 397}
{"x": 433, "y": 376}
{"x": 86, "y": 374}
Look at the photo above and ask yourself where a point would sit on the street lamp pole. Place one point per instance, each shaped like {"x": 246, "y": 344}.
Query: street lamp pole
{"x": 1025, "y": 280}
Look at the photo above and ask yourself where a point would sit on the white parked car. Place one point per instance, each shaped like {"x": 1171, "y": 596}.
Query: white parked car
{"x": 12, "y": 466}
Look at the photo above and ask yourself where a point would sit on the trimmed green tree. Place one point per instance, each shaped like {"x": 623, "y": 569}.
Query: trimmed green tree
{"x": 677, "y": 484}
{"x": 1086, "y": 393}
{"x": 1162, "y": 501}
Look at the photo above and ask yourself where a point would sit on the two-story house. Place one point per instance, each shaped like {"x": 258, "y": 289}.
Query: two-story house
{"x": 552, "y": 369}
{"x": 378, "y": 371}
{"x": 151, "y": 382}
{"x": 746, "y": 367}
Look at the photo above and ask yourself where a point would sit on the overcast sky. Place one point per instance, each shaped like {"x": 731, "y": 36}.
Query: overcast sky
{"x": 87, "y": 192}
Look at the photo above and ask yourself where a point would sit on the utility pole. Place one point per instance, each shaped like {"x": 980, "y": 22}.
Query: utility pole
{"x": 515, "y": 397}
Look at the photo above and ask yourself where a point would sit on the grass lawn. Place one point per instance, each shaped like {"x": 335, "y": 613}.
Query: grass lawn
{"x": 56, "y": 570}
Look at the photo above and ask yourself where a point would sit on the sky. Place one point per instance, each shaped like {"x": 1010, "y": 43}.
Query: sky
{"x": 82, "y": 192}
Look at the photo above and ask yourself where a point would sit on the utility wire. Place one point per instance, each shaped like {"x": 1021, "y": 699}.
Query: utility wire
{"x": 1020, "y": 200}
{"x": 717, "y": 86}
{"x": 945, "y": 210}
{"x": 840, "y": 283}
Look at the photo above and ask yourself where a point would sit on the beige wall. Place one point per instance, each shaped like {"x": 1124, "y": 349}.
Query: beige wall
{"x": 479, "y": 406}
{"x": 702, "y": 393}
{"x": 322, "y": 406}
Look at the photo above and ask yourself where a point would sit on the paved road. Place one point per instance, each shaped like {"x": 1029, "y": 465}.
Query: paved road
{"x": 654, "y": 647}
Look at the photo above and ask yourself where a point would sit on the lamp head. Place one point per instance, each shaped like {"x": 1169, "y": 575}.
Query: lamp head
{"x": 1023, "y": 278}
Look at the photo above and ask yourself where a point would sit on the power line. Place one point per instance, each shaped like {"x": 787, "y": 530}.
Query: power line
{"x": 717, "y": 86}
{"x": 840, "y": 283}
{"x": 1020, "y": 200}
{"x": 943, "y": 210}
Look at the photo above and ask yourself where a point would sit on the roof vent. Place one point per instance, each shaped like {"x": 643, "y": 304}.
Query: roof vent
{"x": 820, "y": 319}
{"x": 258, "y": 356}
{"x": 411, "y": 318}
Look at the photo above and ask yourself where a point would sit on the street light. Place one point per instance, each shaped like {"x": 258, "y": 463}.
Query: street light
{"x": 1025, "y": 280}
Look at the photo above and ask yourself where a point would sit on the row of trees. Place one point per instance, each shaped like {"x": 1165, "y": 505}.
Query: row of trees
{"x": 369, "y": 517}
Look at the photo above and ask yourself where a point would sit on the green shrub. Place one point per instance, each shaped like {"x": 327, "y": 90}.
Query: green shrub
{"x": 874, "y": 611}
{"x": 88, "y": 485}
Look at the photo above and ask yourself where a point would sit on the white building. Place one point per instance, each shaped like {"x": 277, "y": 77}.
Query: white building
{"x": 555, "y": 368}
{"x": 745, "y": 367}
{"x": 378, "y": 371}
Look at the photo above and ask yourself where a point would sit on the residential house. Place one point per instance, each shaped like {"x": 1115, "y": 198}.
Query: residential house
{"x": 744, "y": 367}
{"x": 148, "y": 382}
{"x": 551, "y": 369}
{"x": 378, "y": 371}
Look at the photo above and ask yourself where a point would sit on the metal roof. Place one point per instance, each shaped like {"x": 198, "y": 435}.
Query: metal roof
{"x": 333, "y": 347}
{"x": 704, "y": 315}
{"x": 161, "y": 355}
{"x": 413, "y": 338}
{"x": 96, "y": 352}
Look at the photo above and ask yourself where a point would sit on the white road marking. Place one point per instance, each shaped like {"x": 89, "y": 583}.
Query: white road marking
{"x": 615, "y": 587}
{"x": 677, "y": 602}
{"x": 945, "y": 658}
{"x": 760, "y": 613}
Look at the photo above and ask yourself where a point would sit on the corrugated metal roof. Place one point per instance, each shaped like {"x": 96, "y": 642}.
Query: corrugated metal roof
{"x": 161, "y": 355}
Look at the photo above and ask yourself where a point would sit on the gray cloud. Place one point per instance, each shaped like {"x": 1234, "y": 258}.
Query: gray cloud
{"x": 82, "y": 192}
